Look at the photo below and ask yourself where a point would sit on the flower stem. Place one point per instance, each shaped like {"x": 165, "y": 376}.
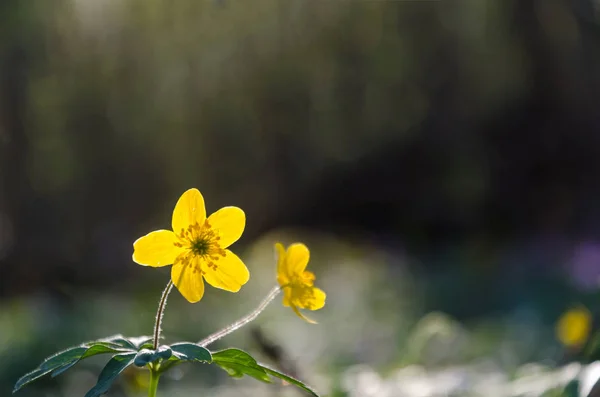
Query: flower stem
{"x": 154, "y": 376}
{"x": 243, "y": 321}
{"x": 159, "y": 315}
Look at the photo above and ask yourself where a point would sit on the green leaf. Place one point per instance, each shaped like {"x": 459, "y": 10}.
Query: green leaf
{"x": 51, "y": 363}
{"x": 149, "y": 356}
{"x": 238, "y": 363}
{"x": 572, "y": 389}
{"x": 111, "y": 371}
{"x": 92, "y": 350}
{"x": 143, "y": 357}
{"x": 182, "y": 352}
{"x": 140, "y": 342}
{"x": 133, "y": 343}
{"x": 191, "y": 352}
{"x": 165, "y": 352}
{"x": 288, "y": 379}
{"x": 62, "y": 361}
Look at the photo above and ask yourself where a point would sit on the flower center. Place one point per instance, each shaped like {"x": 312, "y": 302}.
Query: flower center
{"x": 202, "y": 241}
{"x": 200, "y": 247}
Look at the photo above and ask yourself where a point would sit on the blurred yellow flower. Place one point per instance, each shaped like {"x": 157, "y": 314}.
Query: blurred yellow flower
{"x": 296, "y": 282}
{"x": 197, "y": 247}
{"x": 574, "y": 326}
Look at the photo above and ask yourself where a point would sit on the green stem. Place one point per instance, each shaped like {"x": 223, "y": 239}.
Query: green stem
{"x": 159, "y": 314}
{"x": 154, "y": 376}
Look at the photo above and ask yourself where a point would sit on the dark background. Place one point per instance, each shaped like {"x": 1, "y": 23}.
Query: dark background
{"x": 440, "y": 157}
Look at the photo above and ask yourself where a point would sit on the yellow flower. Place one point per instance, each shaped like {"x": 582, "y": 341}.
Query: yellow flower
{"x": 574, "y": 326}
{"x": 197, "y": 247}
{"x": 297, "y": 283}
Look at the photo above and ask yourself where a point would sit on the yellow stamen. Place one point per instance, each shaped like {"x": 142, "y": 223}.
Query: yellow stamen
{"x": 201, "y": 240}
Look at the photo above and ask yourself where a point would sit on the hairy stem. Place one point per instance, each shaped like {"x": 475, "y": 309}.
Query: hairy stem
{"x": 159, "y": 315}
{"x": 243, "y": 321}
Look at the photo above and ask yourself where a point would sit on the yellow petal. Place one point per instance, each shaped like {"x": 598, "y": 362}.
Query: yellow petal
{"x": 287, "y": 297}
{"x": 188, "y": 210}
{"x": 302, "y": 316}
{"x": 188, "y": 280}
{"x": 230, "y": 223}
{"x": 308, "y": 278}
{"x": 156, "y": 249}
{"x": 282, "y": 277}
{"x": 315, "y": 300}
{"x": 283, "y": 280}
{"x": 296, "y": 260}
{"x": 230, "y": 274}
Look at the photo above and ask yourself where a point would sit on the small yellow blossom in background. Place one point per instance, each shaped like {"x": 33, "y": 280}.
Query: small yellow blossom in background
{"x": 574, "y": 326}
{"x": 296, "y": 282}
{"x": 197, "y": 247}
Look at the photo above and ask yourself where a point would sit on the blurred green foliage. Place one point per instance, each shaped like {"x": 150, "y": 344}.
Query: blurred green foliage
{"x": 450, "y": 147}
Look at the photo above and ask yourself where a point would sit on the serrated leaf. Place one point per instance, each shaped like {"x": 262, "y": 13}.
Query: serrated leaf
{"x": 288, "y": 379}
{"x": 238, "y": 363}
{"x": 110, "y": 372}
{"x": 186, "y": 351}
